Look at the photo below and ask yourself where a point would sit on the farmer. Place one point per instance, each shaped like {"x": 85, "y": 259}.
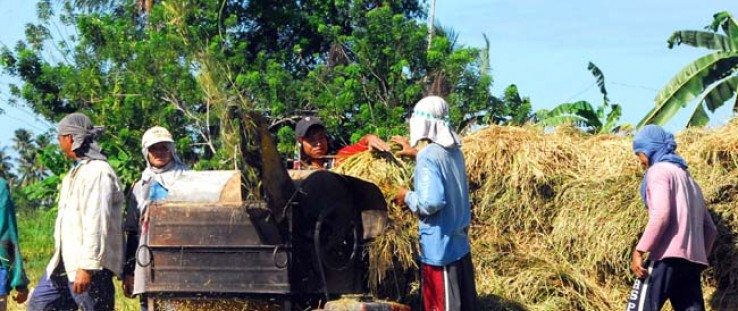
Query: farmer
{"x": 12, "y": 274}
{"x": 88, "y": 232}
{"x": 441, "y": 201}
{"x": 679, "y": 234}
{"x": 312, "y": 141}
{"x": 163, "y": 167}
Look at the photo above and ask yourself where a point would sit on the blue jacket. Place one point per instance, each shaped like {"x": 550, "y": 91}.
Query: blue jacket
{"x": 441, "y": 200}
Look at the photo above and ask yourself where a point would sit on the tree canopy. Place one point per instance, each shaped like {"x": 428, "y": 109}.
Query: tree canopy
{"x": 360, "y": 65}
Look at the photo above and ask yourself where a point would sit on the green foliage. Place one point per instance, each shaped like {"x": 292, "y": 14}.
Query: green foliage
{"x": 512, "y": 109}
{"x": 602, "y": 119}
{"x": 361, "y": 65}
{"x": 707, "y": 83}
{"x": 6, "y": 165}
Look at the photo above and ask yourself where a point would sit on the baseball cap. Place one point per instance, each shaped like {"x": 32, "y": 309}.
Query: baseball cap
{"x": 154, "y": 135}
{"x": 304, "y": 125}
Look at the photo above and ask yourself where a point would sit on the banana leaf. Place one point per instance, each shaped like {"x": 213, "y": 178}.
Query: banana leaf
{"x": 701, "y": 39}
{"x": 689, "y": 83}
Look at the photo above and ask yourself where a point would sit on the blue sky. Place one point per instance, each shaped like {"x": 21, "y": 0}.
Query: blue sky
{"x": 14, "y": 15}
{"x": 543, "y": 46}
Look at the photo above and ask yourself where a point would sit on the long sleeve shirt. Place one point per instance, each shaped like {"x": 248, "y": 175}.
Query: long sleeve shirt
{"x": 441, "y": 200}
{"x": 88, "y": 233}
{"x": 136, "y": 226}
{"x": 10, "y": 254}
{"x": 679, "y": 225}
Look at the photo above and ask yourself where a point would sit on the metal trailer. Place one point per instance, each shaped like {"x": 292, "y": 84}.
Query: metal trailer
{"x": 206, "y": 242}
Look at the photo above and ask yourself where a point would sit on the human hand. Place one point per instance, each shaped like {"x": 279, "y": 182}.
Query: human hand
{"x": 82, "y": 281}
{"x": 376, "y": 144}
{"x": 407, "y": 150}
{"x": 21, "y": 295}
{"x": 128, "y": 286}
{"x": 636, "y": 265}
{"x": 399, "y": 198}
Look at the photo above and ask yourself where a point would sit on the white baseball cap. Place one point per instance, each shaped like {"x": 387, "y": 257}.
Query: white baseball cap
{"x": 155, "y": 135}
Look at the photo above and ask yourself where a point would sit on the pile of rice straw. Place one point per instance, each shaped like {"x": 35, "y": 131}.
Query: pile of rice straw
{"x": 555, "y": 215}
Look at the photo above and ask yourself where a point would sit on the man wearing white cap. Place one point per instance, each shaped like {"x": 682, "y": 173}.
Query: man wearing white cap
{"x": 163, "y": 167}
{"x": 441, "y": 201}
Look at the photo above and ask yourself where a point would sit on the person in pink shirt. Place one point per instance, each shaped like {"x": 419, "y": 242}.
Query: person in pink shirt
{"x": 680, "y": 232}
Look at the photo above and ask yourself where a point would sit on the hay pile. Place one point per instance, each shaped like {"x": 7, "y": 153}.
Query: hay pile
{"x": 556, "y": 215}
{"x": 392, "y": 251}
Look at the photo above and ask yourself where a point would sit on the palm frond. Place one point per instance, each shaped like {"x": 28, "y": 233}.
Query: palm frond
{"x": 701, "y": 39}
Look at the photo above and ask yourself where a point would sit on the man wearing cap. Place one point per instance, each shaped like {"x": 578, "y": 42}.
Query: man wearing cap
{"x": 163, "y": 167}
{"x": 441, "y": 201}
{"x": 312, "y": 141}
{"x": 88, "y": 235}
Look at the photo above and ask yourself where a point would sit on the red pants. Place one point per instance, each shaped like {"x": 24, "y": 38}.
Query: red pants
{"x": 450, "y": 287}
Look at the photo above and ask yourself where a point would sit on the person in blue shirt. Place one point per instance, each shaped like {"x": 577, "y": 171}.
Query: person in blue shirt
{"x": 441, "y": 202}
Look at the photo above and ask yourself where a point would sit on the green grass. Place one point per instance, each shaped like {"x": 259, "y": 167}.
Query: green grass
{"x": 36, "y": 231}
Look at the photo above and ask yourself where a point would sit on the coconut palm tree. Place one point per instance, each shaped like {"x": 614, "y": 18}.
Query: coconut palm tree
{"x": 602, "y": 119}
{"x": 708, "y": 82}
{"x": 23, "y": 143}
{"x": 6, "y": 166}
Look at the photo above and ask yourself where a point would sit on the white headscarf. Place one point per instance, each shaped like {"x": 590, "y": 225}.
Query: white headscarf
{"x": 430, "y": 120}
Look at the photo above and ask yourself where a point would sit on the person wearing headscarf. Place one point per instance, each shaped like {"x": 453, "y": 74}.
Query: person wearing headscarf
{"x": 313, "y": 145}
{"x": 88, "y": 233}
{"x": 441, "y": 200}
{"x": 679, "y": 234}
{"x": 12, "y": 274}
{"x": 163, "y": 168}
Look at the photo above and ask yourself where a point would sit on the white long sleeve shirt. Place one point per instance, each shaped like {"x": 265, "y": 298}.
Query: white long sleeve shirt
{"x": 89, "y": 226}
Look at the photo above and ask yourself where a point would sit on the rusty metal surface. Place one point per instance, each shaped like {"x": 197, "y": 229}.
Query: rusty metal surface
{"x": 218, "y": 270}
{"x": 181, "y": 224}
{"x": 215, "y": 249}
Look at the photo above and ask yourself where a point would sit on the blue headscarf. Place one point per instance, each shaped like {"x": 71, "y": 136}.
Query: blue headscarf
{"x": 659, "y": 146}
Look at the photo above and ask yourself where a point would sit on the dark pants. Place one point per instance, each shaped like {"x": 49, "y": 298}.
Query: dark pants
{"x": 450, "y": 287}
{"x": 55, "y": 293}
{"x": 675, "y": 279}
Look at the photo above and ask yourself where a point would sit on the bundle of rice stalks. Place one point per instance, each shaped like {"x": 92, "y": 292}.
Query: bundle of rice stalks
{"x": 568, "y": 248}
{"x": 597, "y": 225}
{"x": 711, "y": 149}
{"x": 545, "y": 281}
{"x": 394, "y": 250}
{"x": 512, "y": 174}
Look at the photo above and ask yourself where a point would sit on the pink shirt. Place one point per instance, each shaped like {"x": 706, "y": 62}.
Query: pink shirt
{"x": 679, "y": 225}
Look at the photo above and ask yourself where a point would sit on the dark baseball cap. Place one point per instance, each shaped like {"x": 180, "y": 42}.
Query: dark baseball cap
{"x": 304, "y": 125}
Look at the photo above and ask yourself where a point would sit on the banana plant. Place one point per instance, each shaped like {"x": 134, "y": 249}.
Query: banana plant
{"x": 708, "y": 82}
{"x": 602, "y": 119}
